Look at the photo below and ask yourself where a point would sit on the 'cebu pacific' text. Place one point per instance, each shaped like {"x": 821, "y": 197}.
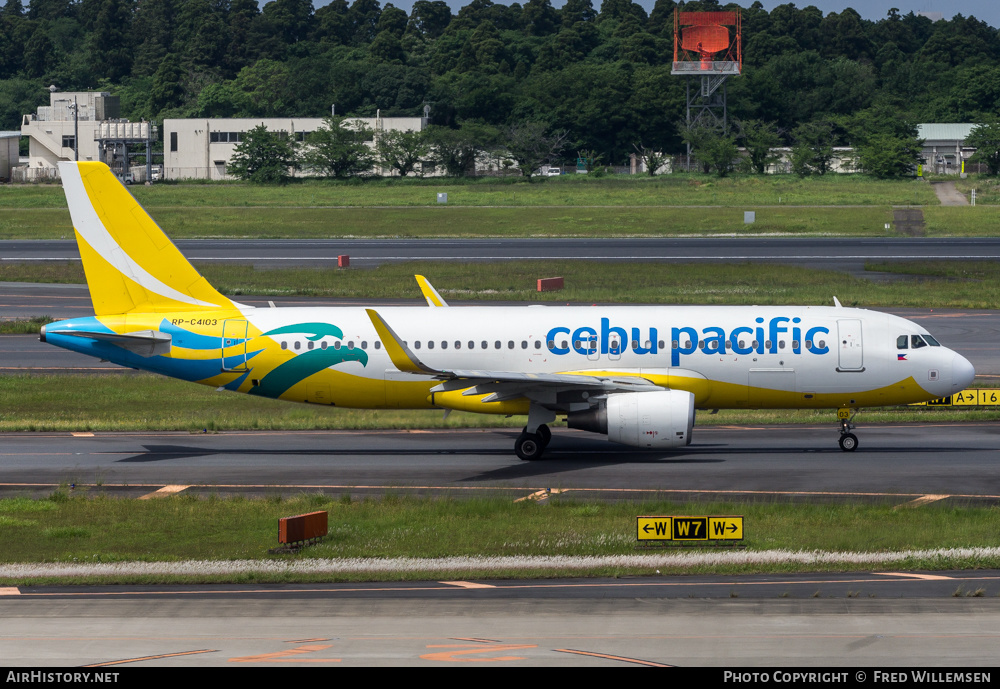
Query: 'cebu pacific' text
{"x": 763, "y": 338}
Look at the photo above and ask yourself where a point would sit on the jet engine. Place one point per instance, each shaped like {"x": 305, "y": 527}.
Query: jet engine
{"x": 664, "y": 418}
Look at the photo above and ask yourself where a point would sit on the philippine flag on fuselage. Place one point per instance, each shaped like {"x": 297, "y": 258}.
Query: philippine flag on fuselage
{"x": 900, "y": 357}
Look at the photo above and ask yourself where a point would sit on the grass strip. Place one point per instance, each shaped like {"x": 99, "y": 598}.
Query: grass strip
{"x": 126, "y": 401}
{"x": 181, "y": 529}
{"x": 467, "y": 222}
{"x": 24, "y": 326}
{"x": 954, "y": 284}
{"x": 567, "y": 190}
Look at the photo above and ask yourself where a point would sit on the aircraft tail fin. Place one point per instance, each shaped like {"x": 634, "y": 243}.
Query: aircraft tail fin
{"x": 131, "y": 265}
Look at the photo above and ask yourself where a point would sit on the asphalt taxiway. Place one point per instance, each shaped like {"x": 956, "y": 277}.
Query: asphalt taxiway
{"x": 894, "y": 463}
{"x": 845, "y": 253}
{"x": 881, "y": 620}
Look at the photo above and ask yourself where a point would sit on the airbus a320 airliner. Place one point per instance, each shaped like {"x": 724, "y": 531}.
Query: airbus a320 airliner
{"x": 634, "y": 373}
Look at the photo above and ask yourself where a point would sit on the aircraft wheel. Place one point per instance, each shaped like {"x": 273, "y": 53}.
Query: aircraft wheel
{"x": 544, "y": 434}
{"x": 848, "y": 442}
{"x": 529, "y": 447}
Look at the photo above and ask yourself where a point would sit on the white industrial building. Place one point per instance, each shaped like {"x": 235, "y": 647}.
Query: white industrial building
{"x": 81, "y": 125}
{"x": 9, "y": 151}
{"x": 202, "y": 149}
{"x": 944, "y": 147}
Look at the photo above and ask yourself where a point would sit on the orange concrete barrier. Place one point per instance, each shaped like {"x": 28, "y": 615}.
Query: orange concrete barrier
{"x": 302, "y": 527}
{"x": 550, "y": 284}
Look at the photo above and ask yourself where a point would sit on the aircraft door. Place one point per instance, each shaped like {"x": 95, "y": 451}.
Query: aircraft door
{"x": 849, "y": 344}
{"x": 234, "y": 345}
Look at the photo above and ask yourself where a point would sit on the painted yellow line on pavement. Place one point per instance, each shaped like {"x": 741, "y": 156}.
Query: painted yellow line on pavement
{"x": 910, "y": 575}
{"x": 542, "y": 494}
{"x": 82, "y": 435}
{"x": 467, "y": 584}
{"x": 164, "y": 492}
{"x": 9, "y": 591}
{"x": 611, "y": 657}
{"x": 922, "y": 500}
{"x": 157, "y": 657}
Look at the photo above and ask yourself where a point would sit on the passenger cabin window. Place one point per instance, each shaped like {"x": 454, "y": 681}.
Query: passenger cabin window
{"x": 902, "y": 342}
{"x": 917, "y": 341}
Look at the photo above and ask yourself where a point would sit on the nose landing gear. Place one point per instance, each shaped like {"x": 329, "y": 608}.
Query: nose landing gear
{"x": 848, "y": 441}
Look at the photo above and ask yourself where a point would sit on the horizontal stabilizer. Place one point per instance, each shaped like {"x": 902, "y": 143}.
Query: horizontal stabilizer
{"x": 145, "y": 343}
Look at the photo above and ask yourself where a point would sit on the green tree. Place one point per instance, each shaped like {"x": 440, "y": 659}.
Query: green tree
{"x": 652, "y": 158}
{"x": 457, "y": 149}
{"x": 262, "y": 156}
{"x": 167, "y": 91}
{"x": 591, "y": 159}
{"x": 720, "y": 153}
{"x": 338, "y": 149}
{"x": 886, "y": 156}
{"x": 759, "y": 139}
{"x": 707, "y": 147}
{"x": 430, "y": 18}
{"x": 812, "y": 152}
{"x": 885, "y": 141}
{"x": 985, "y": 138}
{"x": 401, "y": 151}
{"x": 531, "y": 144}
{"x": 111, "y": 54}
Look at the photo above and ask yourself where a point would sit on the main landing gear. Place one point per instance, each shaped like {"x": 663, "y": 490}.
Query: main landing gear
{"x": 848, "y": 441}
{"x": 530, "y": 446}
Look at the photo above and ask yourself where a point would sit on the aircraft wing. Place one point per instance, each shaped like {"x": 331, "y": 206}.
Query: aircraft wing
{"x": 502, "y": 385}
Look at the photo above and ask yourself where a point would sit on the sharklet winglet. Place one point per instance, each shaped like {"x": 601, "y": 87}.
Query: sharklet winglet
{"x": 430, "y": 294}
{"x": 401, "y": 356}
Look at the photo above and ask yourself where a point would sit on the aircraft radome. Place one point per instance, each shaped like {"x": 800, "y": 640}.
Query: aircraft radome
{"x": 634, "y": 373}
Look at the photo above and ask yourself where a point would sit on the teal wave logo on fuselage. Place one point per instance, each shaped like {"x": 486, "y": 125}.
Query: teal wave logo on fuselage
{"x": 301, "y": 366}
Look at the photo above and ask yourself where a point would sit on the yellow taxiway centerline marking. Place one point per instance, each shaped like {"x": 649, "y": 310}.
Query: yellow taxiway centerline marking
{"x": 542, "y": 494}
{"x": 611, "y": 657}
{"x": 928, "y": 577}
{"x": 163, "y": 492}
{"x": 921, "y": 501}
{"x": 9, "y": 591}
{"x": 82, "y": 435}
{"x": 156, "y": 657}
{"x": 467, "y": 584}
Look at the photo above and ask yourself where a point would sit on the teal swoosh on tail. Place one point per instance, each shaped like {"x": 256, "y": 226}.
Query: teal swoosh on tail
{"x": 300, "y": 367}
{"x": 318, "y": 330}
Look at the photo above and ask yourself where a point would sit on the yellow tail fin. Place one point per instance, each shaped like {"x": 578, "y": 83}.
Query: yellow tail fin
{"x": 130, "y": 263}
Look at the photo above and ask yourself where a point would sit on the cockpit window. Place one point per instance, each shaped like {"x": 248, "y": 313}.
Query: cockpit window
{"x": 902, "y": 342}
{"x": 917, "y": 341}
{"x": 931, "y": 341}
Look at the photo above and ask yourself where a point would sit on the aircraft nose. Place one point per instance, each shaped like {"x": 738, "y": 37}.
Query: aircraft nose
{"x": 962, "y": 373}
